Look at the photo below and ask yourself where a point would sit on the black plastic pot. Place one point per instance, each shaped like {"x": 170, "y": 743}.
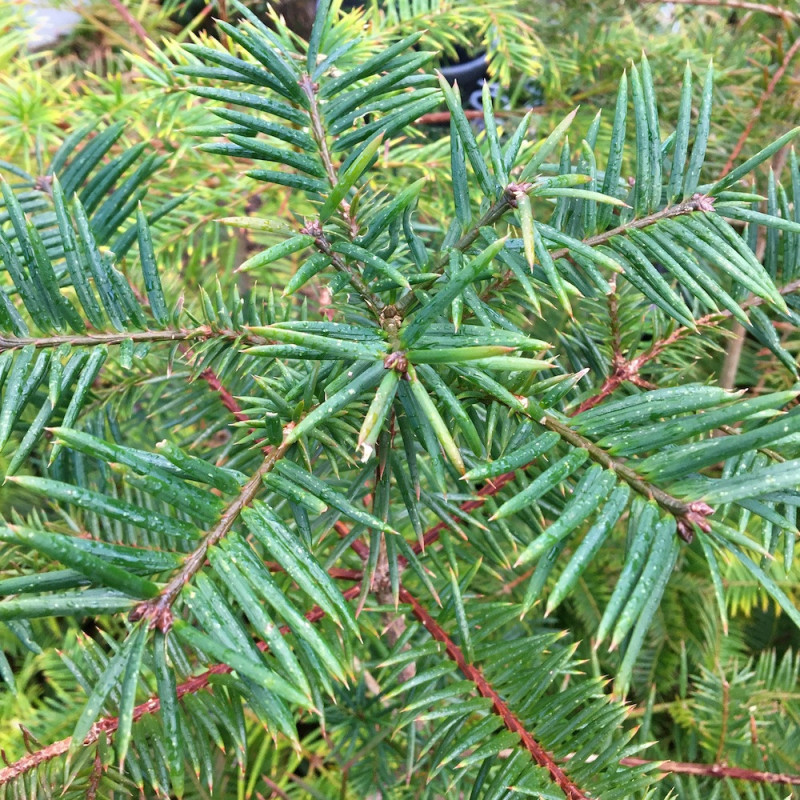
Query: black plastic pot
{"x": 468, "y": 69}
{"x": 469, "y": 73}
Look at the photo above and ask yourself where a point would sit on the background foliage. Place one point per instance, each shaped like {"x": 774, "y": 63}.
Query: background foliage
{"x": 709, "y": 672}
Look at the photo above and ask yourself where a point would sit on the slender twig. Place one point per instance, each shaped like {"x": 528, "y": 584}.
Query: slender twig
{"x": 228, "y": 400}
{"x": 733, "y": 355}
{"x": 715, "y": 771}
{"x": 633, "y": 366}
{"x": 489, "y": 489}
{"x": 94, "y": 778}
{"x": 322, "y": 244}
{"x": 158, "y": 610}
{"x": 697, "y": 203}
{"x": 472, "y": 673}
{"x": 743, "y": 5}
{"x": 443, "y": 117}
{"x": 494, "y": 213}
{"x": 108, "y": 725}
{"x": 765, "y": 95}
{"x": 201, "y": 333}
{"x": 134, "y": 23}
{"x": 686, "y": 514}
{"x": 315, "y": 229}
{"x": 318, "y": 128}
{"x": 93, "y": 339}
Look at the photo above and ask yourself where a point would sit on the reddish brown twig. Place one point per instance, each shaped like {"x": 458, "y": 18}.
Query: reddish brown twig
{"x": 108, "y": 725}
{"x": 94, "y": 778}
{"x": 443, "y": 117}
{"x": 743, "y": 5}
{"x": 630, "y": 369}
{"x": 490, "y": 489}
{"x": 624, "y": 370}
{"x": 208, "y": 375}
{"x": 756, "y": 112}
{"x": 228, "y": 400}
{"x": 134, "y": 23}
{"x": 472, "y": 673}
{"x": 158, "y": 610}
{"x": 716, "y": 771}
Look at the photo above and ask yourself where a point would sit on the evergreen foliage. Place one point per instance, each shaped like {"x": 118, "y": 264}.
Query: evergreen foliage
{"x": 455, "y": 506}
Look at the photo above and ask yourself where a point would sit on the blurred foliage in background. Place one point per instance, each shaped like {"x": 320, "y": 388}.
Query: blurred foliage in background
{"x": 118, "y": 67}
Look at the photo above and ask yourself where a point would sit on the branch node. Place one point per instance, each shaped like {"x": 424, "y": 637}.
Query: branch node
{"x": 696, "y": 513}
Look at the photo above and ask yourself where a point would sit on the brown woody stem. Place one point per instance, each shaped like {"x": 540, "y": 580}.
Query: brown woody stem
{"x": 716, "y": 771}
{"x": 629, "y": 370}
{"x": 108, "y": 725}
{"x": 689, "y": 207}
{"x": 89, "y": 340}
{"x": 158, "y": 610}
{"x": 686, "y": 514}
{"x": 744, "y": 5}
{"x": 472, "y": 673}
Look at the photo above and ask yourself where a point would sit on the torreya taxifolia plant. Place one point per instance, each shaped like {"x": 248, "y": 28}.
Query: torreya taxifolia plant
{"x": 425, "y": 499}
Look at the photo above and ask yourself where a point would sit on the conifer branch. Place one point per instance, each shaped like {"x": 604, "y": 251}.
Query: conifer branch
{"x": 696, "y": 203}
{"x": 472, "y": 673}
{"x": 108, "y": 725}
{"x": 686, "y": 514}
{"x": 699, "y": 203}
{"x": 158, "y": 610}
{"x": 95, "y": 339}
{"x": 201, "y": 333}
{"x": 628, "y": 370}
{"x": 318, "y": 117}
{"x": 722, "y": 771}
